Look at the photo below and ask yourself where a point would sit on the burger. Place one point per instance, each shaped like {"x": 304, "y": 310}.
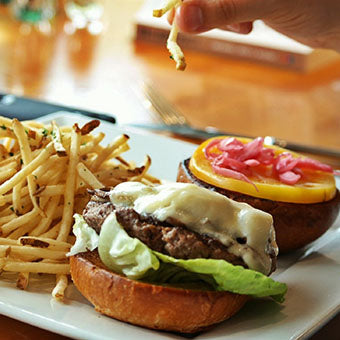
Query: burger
{"x": 175, "y": 256}
{"x": 300, "y": 193}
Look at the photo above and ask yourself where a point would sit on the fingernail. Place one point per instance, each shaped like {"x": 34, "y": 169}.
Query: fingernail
{"x": 234, "y": 28}
{"x": 189, "y": 18}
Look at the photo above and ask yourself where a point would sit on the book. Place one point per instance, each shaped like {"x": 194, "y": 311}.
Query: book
{"x": 263, "y": 44}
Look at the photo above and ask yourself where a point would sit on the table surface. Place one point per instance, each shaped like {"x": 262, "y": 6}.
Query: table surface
{"x": 98, "y": 71}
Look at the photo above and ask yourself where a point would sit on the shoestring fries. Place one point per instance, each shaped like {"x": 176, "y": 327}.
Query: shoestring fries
{"x": 172, "y": 45}
{"x": 45, "y": 174}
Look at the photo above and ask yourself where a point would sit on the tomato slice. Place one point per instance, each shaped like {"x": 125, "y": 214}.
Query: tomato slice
{"x": 314, "y": 186}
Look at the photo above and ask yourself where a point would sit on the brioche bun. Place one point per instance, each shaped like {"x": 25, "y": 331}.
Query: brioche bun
{"x": 152, "y": 306}
{"x": 295, "y": 224}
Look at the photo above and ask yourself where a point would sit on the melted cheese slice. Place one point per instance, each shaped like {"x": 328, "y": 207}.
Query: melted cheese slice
{"x": 205, "y": 212}
{"x": 314, "y": 187}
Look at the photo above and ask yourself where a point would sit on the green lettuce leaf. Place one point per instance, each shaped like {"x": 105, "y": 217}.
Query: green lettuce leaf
{"x": 86, "y": 237}
{"x": 122, "y": 253}
{"x": 231, "y": 278}
{"x": 171, "y": 275}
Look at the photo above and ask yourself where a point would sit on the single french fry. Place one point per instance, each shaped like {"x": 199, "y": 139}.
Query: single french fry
{"x": 56, "y": 138}
{"x": 34, "y": 252}
{"x": 123, "y": 162}
{"x": 5, "y": 122}
{"x": 16, "y": 198}
{"x": 66, "y": 222}
{"x": 5, "y": 241}
{"x": 44, "y": 242}
{"x": 118, "y": 173}
{"x": 51, "y": 190}
{"x": 88, "y": 176}
{"x": 89, "y": 127}
{"x": 166, "y": 8}
{"x": 6, "y": 174}
{"x": 36, "y": 267}
{"x": 26, "y": 155}
{"x": 174, "y": 49}
{"x": 172, "y": 45}
{"x": 18, "y": 222}
{"x": 8, "y": 218}
{"x": 59, "y": 290}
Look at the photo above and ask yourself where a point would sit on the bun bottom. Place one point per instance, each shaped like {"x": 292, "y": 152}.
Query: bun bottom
{"x": 147, "y": 305}
{"x": 295, "y": 224}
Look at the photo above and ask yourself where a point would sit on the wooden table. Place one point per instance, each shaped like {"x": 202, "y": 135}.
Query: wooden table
{"x": 95, "y": 72}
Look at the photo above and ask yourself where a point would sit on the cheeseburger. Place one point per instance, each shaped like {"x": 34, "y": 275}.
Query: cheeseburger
{"x": 300, "y": 193}
{"x": 174, "y": 257}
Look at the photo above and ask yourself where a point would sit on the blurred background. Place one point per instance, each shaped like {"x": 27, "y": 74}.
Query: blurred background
{"x": 98, "y": 54}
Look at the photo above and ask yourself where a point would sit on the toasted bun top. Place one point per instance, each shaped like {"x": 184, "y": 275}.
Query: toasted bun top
{"x": 152, "y": 306}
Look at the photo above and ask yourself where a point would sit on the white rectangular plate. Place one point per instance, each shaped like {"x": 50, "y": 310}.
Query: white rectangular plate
{"x": 312, "y": 276}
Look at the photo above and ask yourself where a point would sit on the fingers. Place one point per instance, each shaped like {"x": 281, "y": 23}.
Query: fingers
{"x": 196, "y": 16}
{"x": 243, "y": 27}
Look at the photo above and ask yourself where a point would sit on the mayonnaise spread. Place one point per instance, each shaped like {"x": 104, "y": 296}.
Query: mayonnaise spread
{"x": 246, "y": 232}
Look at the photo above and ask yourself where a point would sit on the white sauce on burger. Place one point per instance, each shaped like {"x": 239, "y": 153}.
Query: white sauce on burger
{"x": 246, "y": 232}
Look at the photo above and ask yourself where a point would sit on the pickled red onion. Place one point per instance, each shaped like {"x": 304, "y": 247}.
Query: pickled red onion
{"x": 236, "y": 160}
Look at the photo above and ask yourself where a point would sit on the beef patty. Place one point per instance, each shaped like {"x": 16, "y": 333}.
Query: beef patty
{"x": 168, "y": 238}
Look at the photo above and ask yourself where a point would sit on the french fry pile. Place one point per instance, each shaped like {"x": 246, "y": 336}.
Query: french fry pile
{"x": 172, "y": 45}
{"x": 45, "y": 171}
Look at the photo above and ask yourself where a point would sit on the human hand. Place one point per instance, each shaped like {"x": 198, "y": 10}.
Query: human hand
{"x": 313, "y": 22}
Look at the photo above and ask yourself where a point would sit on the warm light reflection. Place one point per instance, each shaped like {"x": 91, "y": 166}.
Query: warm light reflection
{"x": 84, "y": 14}
{"x": 28, "y": 56}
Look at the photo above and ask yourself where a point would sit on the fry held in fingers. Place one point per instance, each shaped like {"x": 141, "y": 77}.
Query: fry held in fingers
{"x": 175, "y": 51}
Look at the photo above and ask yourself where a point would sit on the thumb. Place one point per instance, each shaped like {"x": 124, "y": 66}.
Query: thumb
{"x": 196, "y": 16}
